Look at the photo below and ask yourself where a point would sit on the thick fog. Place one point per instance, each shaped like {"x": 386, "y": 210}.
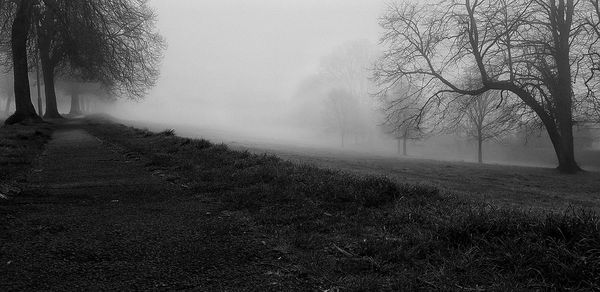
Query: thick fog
{"x": 236, "y": 65}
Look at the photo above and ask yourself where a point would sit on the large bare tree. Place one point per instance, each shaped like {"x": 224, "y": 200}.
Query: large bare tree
{"x": 19, "y": 35}
{"x": 538, "y": 50}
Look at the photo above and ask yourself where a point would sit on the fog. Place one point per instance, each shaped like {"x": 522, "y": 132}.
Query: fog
{"x": 247, "y": 72}
{"x": 234, "y": 65}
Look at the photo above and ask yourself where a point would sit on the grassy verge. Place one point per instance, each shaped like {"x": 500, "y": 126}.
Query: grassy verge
{"x": 19, "y": 146}
{"x": 347, "y": 232}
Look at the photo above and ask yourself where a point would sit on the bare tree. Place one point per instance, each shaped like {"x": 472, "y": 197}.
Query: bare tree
{"x": 342, "y": 107}
{"x": 483, "y": 118}
{"x": 403, "y": 114}
{"x": 348, "y": 68}
{"x": 536, "y": 50}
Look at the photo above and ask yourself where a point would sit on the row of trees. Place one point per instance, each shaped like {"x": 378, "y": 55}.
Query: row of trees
{"x": 344, "y": 89}
{"x": 534, "y": 61}
{"x": 102, "y": 47}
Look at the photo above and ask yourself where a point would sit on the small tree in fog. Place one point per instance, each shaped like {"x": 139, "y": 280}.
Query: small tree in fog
{"x": 485, "y": 117}
{"x": 403, "y": 117}
{"x": 348, "y": 68}
{"x": 342, "y": 108}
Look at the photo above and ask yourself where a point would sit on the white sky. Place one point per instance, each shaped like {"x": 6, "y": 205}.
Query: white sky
{"x": 226, "y": 55}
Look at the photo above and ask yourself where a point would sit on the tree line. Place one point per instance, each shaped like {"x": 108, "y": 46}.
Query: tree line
{"x": 105, "y": 47}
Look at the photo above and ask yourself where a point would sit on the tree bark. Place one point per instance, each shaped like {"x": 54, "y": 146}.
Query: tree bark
{"x": 75, "y": 106}
{"x": 404, "y": 150}
{"x": 48, "y": 72}
{"x": 20, "y": 32}
{"x": 561, "y": 20}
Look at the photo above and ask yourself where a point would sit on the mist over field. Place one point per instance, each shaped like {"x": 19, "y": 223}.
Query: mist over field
{"x": 247, "y": 72}
{"x": 236, "y": 66}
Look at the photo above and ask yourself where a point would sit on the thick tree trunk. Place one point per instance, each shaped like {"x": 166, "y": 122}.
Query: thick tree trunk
{"x": 75, "y": 108}
{"x": 564, "y": 149}
{"x": 20, "y": 32}
{"x": 48, "y": 72}
{"x": 404, "y": 148}
{"x": 563, "y": 92}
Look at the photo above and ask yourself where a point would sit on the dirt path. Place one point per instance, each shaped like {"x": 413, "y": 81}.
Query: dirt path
{"x": 77, "y": 164}
{"x": 94, "y": 219}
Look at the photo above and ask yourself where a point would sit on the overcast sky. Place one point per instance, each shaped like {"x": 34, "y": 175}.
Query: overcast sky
{"x": 234, "y": 53}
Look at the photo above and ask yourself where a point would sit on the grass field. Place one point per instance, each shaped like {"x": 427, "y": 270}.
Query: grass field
{"x": 340, "y": 231}
{"x": 519, "y": 187}
{"x": 522, "y": 187}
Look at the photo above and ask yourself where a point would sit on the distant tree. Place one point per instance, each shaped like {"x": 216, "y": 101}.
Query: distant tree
{"x": 77, "y": 89}
{"x": 342, "y": 107}
{"x": 540, "y": 51}
{"x": 486, "y": 117}
{"x": 348, "y": 68}
{"x": 403, "y": 117}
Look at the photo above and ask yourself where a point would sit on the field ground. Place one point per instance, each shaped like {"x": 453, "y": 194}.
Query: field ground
{"x": 215, "y": 219}
{"x": 502, "y": 185}
{"x": 521, "y": 187}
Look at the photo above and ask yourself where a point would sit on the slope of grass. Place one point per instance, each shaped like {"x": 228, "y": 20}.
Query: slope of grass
{"x": 357, "y": 233}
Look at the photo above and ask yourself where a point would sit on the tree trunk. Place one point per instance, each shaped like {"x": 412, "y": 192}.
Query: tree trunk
{"x": 564, "y": 149}
{"x": 75, "y": 108}
{"x": 480, "y": 149}
{"x": 404, "y": 150}
{"x": 342, "y": 136}
{"x": 39, "y": 90}
{"x": 48, "y": 72}
{"x": 20, "y": 32}
{"x": 563, "y": 91}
